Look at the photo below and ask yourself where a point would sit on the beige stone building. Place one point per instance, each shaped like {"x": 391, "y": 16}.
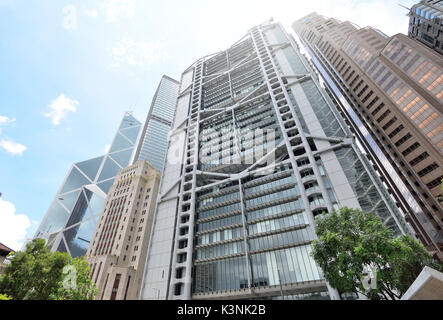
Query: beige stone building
{"x": 394, "y": 85}
{"x": 120, "y": 242}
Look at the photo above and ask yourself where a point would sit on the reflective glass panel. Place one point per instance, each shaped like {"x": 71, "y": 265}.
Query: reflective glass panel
{"x": 62, "y": 247}
{"x": 80, "y": 212}
{"x": 90, "y": 167}
{"x": 105, "y": 186}
{"x": 55, "y": 220}
{"x": 68, "y": 200}
{"x": 129, "y": 121}
{"x": 109, "y": 170}
{"x": 120, "y": 143}
{"x": 74, "y": 181}
{"x": 131, "y": 133}
{"x": 122, "y": 157}
{"x": 96, "y": 203}
{"x": 79, "y": 237}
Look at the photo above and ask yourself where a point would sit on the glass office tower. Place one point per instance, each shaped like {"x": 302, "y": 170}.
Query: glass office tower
{"x": 257, "y": 150}
{"x": 71, "y": 219}
{"x": 152, "y": 147}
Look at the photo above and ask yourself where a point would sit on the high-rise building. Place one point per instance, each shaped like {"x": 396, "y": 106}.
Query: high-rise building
{"x": 118, "y": 248}
{"x": 257, "y": 150}
{"x": 391, "y": 89}
{"x": 426, "y": 23}
{"x": 154, "y": 142}
{"x": 72, "y": 217}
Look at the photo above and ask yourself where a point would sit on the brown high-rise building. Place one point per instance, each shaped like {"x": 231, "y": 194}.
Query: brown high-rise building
{"x": 119, "y": 245}
{"x": 391, "y": 89}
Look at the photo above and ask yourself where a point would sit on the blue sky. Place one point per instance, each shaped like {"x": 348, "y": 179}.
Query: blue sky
{"x": 70, "y": 69}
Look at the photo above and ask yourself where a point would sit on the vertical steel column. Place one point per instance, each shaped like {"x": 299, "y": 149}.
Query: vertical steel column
{"x": 271, "y": 74}
{"x": 193, "y": 131}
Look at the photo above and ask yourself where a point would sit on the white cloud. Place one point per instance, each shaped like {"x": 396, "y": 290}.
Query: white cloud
{"x": 13, "y": 226}
{"x": 138, "y": 53}
{"x": 6, "y": 120}
{"x": 12, "y": 147}
{"x": 60, "y": 107}
{"x": 69, "y": 21}
{"x": 107, "y": 148}
{"x": 115, "y": 9}
{"x": 93, "y": 13}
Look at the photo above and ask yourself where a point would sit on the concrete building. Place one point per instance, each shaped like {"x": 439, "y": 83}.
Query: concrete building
{"x": 426, "y": 23}
{"x": 72, "y": 217}
{"x": 391, "y": 90}
{"x": 257, "y": 150}
{"x": 154, "y": 137}
{"x": 118, "y": 247}
{"x": 427, "y": 286}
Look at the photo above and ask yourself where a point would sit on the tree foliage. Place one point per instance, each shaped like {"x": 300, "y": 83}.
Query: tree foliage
{"x": 350, "y": 239}
{"x": 37, "y": 274}
{"x": 76, "y": 284}
{"x": 4, "y": 297}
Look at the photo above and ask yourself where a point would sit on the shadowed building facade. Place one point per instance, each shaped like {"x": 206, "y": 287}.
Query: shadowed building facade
{"x": 391, "y": 89}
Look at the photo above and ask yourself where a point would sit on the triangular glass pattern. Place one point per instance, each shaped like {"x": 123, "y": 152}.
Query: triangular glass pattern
{"x": 105, "y": 186}
{"x": 90, "y": 167}
{"x": 131, "y": 133}
{"x": 74, "y": 181}
{"x": 68, "y": 200}
{"x": 96, "y": 203}
{"x": 80, "y": 212}
{"x": 79, "y": 238}
{"x": 109, "y": 170}
{"x": 129, "y": 121}
{"x": 120, "y": 143}
{"x": 122, "y": 157}
{"x": 62, "y": 247}
{"x": 55, "y": 219}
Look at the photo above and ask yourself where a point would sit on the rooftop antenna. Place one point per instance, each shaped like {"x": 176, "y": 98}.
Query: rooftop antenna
{"x": 409, "y": 9}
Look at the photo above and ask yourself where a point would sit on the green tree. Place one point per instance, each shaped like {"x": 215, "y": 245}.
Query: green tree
{"x": 350, "y": 240}
{"x": 37, "y": 274}
{"x": 76, "y": 285}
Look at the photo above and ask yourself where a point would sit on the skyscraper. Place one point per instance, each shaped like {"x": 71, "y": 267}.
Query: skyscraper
{"x": 426, "y": 23}
{"x": 118, "y": 248}
{"x": 392, "y": 89}
{"x": 71, "y": 219}
{"x": 257, "y": 150}
{"x": 154, "y": 138}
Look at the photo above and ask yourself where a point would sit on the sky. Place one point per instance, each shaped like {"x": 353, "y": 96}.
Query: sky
{"x": 69, "y": 69}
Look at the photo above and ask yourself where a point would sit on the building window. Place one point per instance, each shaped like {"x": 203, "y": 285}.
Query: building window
{"x": 411, "y": 148}
{"x": 115, "y": 286}
{"x": 418, "y": 159}
{"x": 428, "y": 169}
